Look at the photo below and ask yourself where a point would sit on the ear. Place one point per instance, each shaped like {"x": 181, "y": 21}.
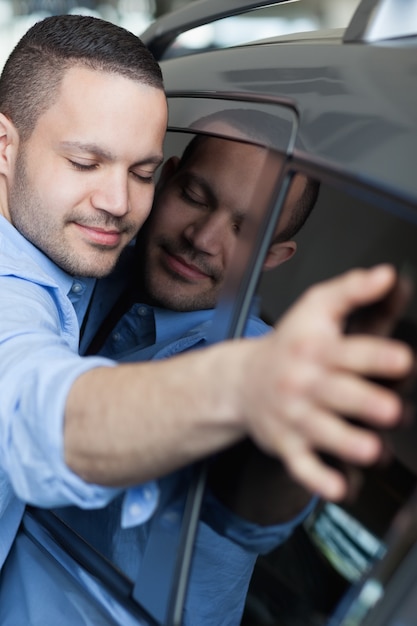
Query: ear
{"x": 279, "y": 253}
{"x": 9, "y": 142}
{"x": 168, "y": 170}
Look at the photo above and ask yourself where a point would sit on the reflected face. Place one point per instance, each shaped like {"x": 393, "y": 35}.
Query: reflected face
{"x": 83, "y": 183}
{"x": 192, "y": 232}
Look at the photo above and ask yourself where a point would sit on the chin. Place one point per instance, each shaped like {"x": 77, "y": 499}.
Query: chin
{"x": 185, "y": 304}
{"x": 96, "y": 268}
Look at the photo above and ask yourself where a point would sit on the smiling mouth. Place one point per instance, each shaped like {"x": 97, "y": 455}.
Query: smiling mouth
{"x": 186, "y": 270}
{"x": 101, "y": 236}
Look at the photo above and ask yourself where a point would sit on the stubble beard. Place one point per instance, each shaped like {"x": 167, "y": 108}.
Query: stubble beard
{"x": 167, "y": 289}
{"x": 36, "y": 224}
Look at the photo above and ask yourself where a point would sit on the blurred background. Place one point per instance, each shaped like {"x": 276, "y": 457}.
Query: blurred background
{"x": 16, "y": 16}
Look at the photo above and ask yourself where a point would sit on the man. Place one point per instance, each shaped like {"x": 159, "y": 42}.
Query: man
{"x": 180, "y": 259}
{"x": 76, "y": 184}
{"x": 82, "y": 119}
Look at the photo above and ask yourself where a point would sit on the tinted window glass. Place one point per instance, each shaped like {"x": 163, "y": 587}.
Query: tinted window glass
{"x": 303, "y": 581}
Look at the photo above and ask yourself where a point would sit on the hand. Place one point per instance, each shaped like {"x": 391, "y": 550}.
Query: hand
{"x": 306, "y": 377}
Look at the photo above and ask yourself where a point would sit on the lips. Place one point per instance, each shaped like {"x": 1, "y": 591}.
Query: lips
{"x": 101, "y": 236}
{"x": 183, "y": 268}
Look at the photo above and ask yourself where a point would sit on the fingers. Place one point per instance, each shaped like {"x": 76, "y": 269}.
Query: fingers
{"x": 382, "y": 317}
{"x": 326, "y": 432}
{"x": 318, "y": 477}
{"x": 331, "y": 480}
{"x": 304, "y": 433}
{"x": 358, "y": 398}
{"x": 372, "y": 356}
{"x": 339, "y": 296}
{"x": 335, "y": 375}
{"x": 343, "y": 442}
{"x": 332, "y": 378}
{"x": 311, "y": 420}
{"x": 313, "y": 377}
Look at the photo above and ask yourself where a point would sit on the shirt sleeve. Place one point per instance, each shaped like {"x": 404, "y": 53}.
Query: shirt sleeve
{"x": 252, "y": 537}
{"x": 38, "y": 364}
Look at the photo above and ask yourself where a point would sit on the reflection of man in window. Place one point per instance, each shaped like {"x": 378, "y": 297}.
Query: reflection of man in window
{"x": 203, "y": 201}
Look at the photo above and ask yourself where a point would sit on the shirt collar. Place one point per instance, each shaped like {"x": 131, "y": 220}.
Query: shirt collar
{"x": 51, "y": 274}
{"x": 171, "y": 324}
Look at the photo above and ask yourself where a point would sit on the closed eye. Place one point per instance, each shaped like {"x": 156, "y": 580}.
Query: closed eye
{"x": 191, "y": 198}
{"x": 83, "y": 167}
{"x": 147, "y": 178}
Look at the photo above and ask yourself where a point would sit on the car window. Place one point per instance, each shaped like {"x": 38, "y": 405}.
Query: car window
{"x": 332, "y": 553}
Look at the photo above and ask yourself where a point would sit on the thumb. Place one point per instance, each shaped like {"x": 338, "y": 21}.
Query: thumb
{"x": 356, "y": 288}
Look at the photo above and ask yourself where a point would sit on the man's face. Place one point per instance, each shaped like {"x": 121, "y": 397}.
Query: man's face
{"x": 194, "y": 225}
{"x": 83, "y": 183}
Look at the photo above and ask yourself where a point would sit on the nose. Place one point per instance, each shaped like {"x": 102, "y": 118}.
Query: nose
{"x": 207, "y": 234}
{"x": 111, "y": 194}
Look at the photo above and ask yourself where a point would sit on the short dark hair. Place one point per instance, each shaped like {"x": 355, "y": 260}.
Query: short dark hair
{"x": 303, "y": 208}
{"x": 30, "y": 80}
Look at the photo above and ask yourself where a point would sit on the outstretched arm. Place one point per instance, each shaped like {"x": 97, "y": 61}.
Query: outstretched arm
{"x": 287, "y": 391}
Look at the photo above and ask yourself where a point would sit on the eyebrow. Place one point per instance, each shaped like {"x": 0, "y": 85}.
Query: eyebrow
{"x": 98, "y": 151}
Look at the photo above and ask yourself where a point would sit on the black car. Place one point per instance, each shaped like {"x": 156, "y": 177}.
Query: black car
{"x": 341, "y": 109}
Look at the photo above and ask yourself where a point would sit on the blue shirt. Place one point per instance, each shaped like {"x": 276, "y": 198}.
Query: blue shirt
{"x": 38, "y": 360}
{"x": 226, "y": 545}
{"x": 41, "y": 308}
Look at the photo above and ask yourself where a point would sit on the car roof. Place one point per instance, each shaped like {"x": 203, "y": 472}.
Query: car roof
{"x": 331, "y": 36}
{"x": 356, "y": 107}
{"x": 373, "y": 20}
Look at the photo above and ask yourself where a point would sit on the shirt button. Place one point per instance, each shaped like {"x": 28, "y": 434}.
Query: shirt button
{"x": 142, "y": 310}
{"x": 137, "y": 506}
{"x": 76, "y": 288}
{"x": 116, "y": 336}
{"x": 135, "y": 510}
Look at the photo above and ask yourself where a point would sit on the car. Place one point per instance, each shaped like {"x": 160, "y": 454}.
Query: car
{"x": 344, "y": 105}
